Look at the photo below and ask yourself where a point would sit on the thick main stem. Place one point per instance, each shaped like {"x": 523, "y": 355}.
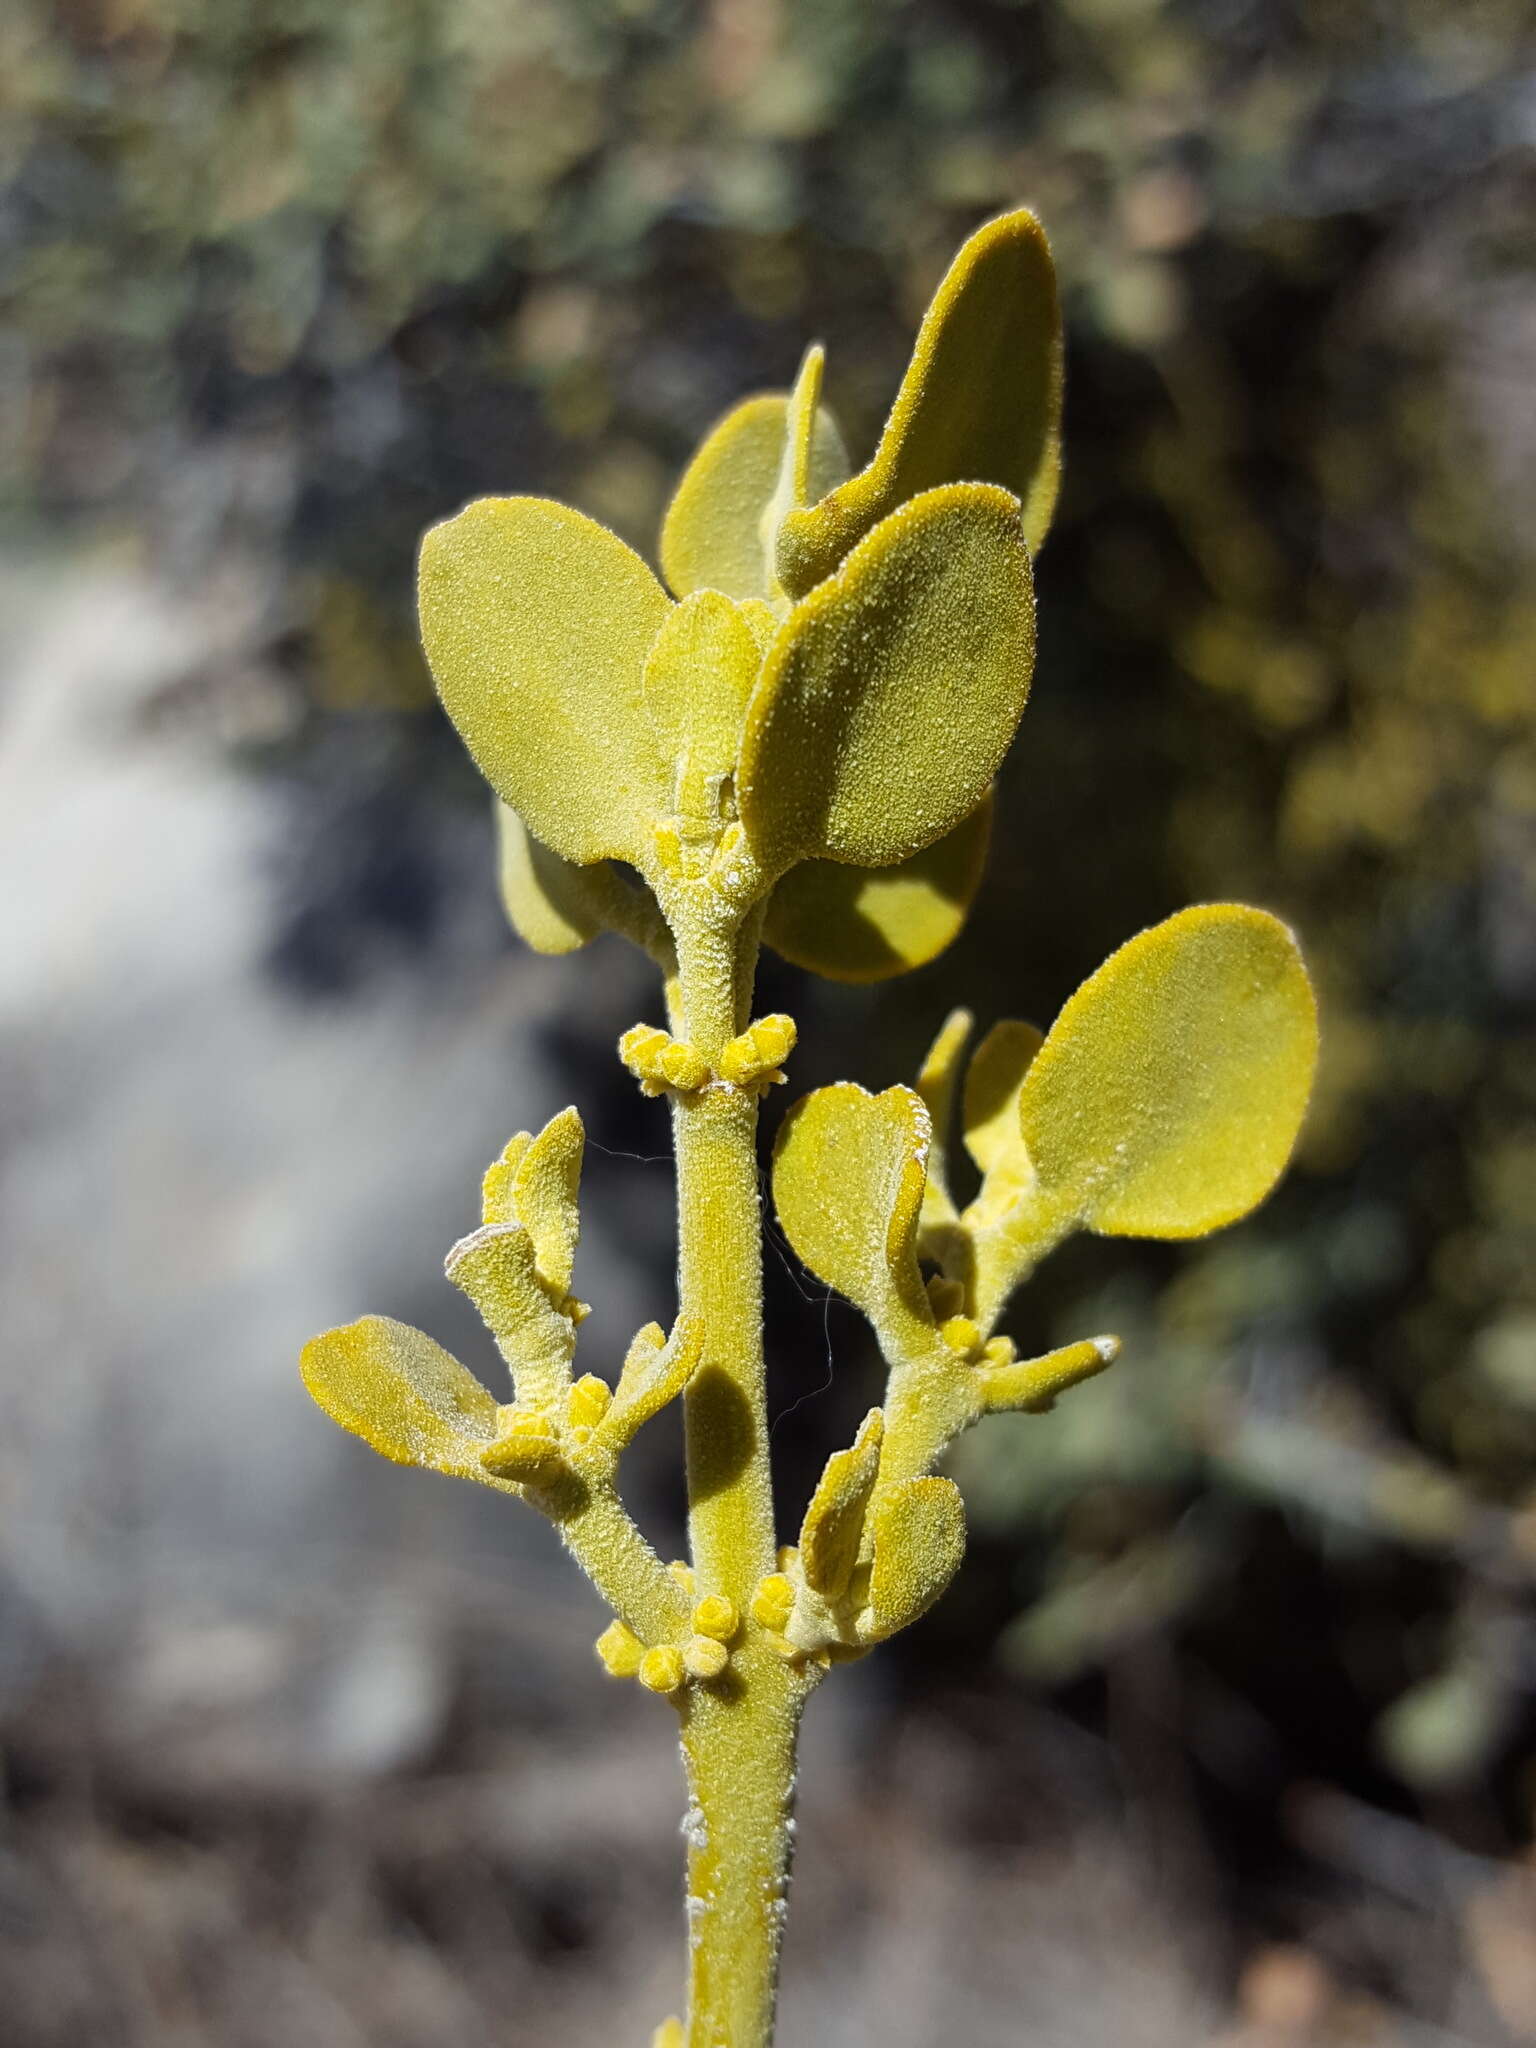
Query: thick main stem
{"x": 738, "y": 1737}
{"x": 739, "y": 1749}
{"x": 720, "y": 1280}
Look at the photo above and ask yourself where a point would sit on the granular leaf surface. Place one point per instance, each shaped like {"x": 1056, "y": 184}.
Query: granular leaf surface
{"x": 537, "y": 622}
{"x": 1167, "y": 1097}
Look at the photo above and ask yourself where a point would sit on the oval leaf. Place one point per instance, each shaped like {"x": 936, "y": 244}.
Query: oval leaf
{"x": 546, "y": 1184}
{"x": 848, "y": 1174}
{"x": 698, "y": 678}
{"x": 990, "y": 1113}
{"x": 918, "y": 1527}
{"x": 813, "y": 461}
{"x": 712, "y": 536}
{"x": 408, "y": 1397}
{"x": 833, "y": 1527}
{"x": 656, "y": 1371}
{"x": 537, "y": 622}
{"x": 936, "y": 1079}
{"x": 866, "y": 924}
{"x": 981, "y": 400}
{"x": 1167, "y": 1097}
{"x": 552, "y": 905}
{"x": 894, "y": 689}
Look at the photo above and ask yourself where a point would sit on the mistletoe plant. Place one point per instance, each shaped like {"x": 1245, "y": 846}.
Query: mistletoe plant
{"x": 795, "y": 745}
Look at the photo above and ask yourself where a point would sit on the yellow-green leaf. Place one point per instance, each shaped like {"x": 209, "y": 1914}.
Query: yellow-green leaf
{"x": 865, "y": 924}
{"x": 981, "y": 401}
{"x": 813, "y": 460}
{"x": 552, "y": 905}
{"x": 991, "y": 1105}
{"x": 936, "y": 1079}
{"x": 848, "y": 1174}
{"x": 516, "y": 1268}
{"x": 698, "y": 677}
{"x": 657, "y": 1369}
{"x": 1168, "y": 1095}
{"x": 546, "y": 1180}
{"x": 498, "y": 1184}
{"x": 537, "y": 622}
{"x": 712, "y": 536}
{"x": 1032, "y": 1386}
{"x": 940, "y": 1069}
{"x": 763, "y": 620}
{"x": 918, "y": 1528}
{"x": 834, "y": 1521}
{"x": 408, "y": 1397}
{"x": 497, "y": 1268}
{"x": 890, "y": 697}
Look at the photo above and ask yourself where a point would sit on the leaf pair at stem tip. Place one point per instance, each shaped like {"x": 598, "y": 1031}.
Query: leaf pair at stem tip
{"x": 818, "y": 715}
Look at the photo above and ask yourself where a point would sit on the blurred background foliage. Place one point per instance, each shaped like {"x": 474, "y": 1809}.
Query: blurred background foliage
{"x": 280, "y": 283}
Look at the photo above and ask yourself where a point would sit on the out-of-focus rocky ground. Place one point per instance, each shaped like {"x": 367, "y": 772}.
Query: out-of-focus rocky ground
{"x": 1227, "y": 1732}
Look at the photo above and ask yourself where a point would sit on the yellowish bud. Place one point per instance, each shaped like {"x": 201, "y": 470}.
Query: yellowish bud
{"x": 717, "y": 1616}
{"x": 683, "y": 1573}
{"x": 659, "y": 1061}
{"x": 527, "y": 1447}
{"x": 620, "y": 1649}
{"x": 960, "y": 1334}
{"x": 759, "y": 1051}
{"x": 682, "y": 1066}
{"x": 704, "y": 1657}
{"x": 662, "y": 1669}
{"x": 773, "y": 1602}
{"x": 588, "y": 1401}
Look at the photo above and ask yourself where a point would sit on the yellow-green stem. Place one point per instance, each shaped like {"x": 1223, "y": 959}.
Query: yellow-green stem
{"x": 599, "y": 1534}
{"x": 930, "y": 1398}
{"x": 739, "y": 1751}
{"x": 720, "y": 1279}
{"x": 739, "y": 1736}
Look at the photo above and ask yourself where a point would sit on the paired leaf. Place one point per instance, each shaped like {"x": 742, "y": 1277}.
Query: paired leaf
{"x": 1167, "y": 1097}
{"x": 553, "y": 906}
{"x": 536, "y": 1182}
{"x": 848, "y": 1173}
{"x": 865, "y": 924}
{"x": 408, "y": 1397}
{"x": 698, "y": 677}
{"x": 890, "y": 697}
{"x": 936, "y": 1085}
{"x": 813, "y": 461}
{"x": 981, "y": 401}
{"x": 537, "y": 622}
{"x": 992, "y": 1082}
{"x": 496, "y": 1268}
{"x": 834, "y": 1522}
{"x": 656, "y": 1370}
{"x": 712, "y": 537}
{"x": 918, "y": 1531}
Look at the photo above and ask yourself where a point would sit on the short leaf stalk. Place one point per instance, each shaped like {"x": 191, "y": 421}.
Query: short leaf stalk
{"x": 794, "y": 744}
